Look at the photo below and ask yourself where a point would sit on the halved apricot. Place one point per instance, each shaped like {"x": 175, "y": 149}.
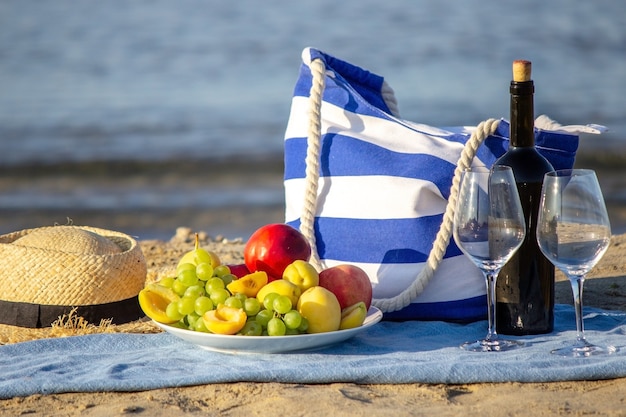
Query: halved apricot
{"x": 154, "y": 299}
{"x": 248, "y": 284}
{"x": 225, "y": 320}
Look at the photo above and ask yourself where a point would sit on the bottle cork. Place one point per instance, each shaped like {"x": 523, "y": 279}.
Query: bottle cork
{"x": 521, "y": 70}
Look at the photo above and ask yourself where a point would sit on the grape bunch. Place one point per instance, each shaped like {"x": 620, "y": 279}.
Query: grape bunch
{"x": 274, "y": 317}
{"x": 194, "y": 284}
{"x": 201, "y": 288}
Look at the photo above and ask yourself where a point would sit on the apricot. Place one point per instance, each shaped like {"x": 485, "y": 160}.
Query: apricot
{"x": 248, "y": 284}
{"x": 301, "y": 273}
{"x": 154, "y": 299}
{"x": 353, "y": 316}
{"x": 321, "y": 309}
{"x": 225, "y": 320}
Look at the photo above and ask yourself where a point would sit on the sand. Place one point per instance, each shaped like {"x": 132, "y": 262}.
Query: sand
{"x": 605, "y": 288}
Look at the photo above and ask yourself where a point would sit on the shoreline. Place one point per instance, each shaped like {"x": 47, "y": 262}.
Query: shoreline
{"x": 230, "y": 197}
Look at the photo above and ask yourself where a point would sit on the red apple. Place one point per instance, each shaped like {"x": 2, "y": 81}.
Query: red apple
{"x": 349, "y": 283}
{"x": 238, "y": 270}
{"x": 274, "y": 246}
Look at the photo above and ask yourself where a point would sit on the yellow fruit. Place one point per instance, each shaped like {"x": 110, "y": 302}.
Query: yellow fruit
{"x": 282, "y": 287}
{"x": 225, "y": 320}
{"x": 154, "y": 299}
{"x": 248, "y": 284}
{"x": 353, "y": 316}
{"x": 199, "y": 255}
{"x": 301, "y": 273}
{"x": 321, "y": 308}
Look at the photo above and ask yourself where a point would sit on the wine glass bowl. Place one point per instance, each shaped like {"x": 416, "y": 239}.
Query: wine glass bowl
{"x": 489, "y": 227}
{"x": 574, "y": 232}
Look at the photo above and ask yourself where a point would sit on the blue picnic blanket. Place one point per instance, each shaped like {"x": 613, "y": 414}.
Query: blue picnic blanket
{"x": 386, "y": 353}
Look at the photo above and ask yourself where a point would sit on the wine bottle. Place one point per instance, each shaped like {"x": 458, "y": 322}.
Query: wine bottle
{"x": 525, "y": 285}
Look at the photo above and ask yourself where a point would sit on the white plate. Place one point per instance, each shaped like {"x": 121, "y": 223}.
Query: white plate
{"x": 270, "y": 344}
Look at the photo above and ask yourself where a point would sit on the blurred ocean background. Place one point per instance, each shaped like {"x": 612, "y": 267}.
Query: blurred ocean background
{"x": 141, "y": 116}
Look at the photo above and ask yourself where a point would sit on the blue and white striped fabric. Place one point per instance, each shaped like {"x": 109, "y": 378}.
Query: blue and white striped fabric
{"x": 383, "y": 188}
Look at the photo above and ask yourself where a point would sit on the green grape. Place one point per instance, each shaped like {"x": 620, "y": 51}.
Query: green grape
{"x": 228, "y": 278}
{"x": 234, "y": 302}
{"x": 202, "y": 256}
{"x": 204, "y": 271}
{"x": 263, "y": 317}
{"x": 194, "y": 291}
{"x": 200, "y": 326}
{"x": 214, "y": 284}
{"x": 251, "y": 328}
{"x": 276, "y": 327}
{"x": 241, "y": 297}
{"x": 251, "y": 306}
{"x": 281, "y": 304}
{"x": 186, "y": 305}
{"x": 167, "y": 282}
{"x": 188, "y": 277}
{"x": 221, "y": 270}
{"x": 219, "y": 296}
{"x": 191, "y": 319}
{"x": 172, "y": 312}
{"x": 202, "y": 305}
{"x": 304, "y": 325}
{"x": 268, "y": 301}
{"x": 291, "y": 332}
{"x": 292, "y": 319}
{"x": 185, "y": 266}
{"x": 179, "y": 288}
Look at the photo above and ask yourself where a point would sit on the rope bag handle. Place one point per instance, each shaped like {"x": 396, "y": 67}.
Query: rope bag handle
{"x": 307, "y": 219}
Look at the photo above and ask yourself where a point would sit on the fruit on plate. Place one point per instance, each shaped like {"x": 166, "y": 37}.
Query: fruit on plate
{"x": 353, "y": 316}
{"x": 321, "y": 309}
{"x": 349, "y": 283}
{"x": 274, "y": 246}
{"x": 154, "y": 299}
{"x": 205, "y": 295}
{"x": 225, "y": 320}
{"x": 248, "y": 284}
{"x": 198, "y": 255}
{"x": 280, "y": 287}
{"x": 301, "y": 273}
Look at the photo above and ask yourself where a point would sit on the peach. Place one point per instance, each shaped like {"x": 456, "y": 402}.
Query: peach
{"x": 349, "y": 283}
{"x": 274, "y": 246}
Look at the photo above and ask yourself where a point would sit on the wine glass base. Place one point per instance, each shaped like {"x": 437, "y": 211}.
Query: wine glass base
{"x": 583, "y": 349}
{"x": 498, "y": 345}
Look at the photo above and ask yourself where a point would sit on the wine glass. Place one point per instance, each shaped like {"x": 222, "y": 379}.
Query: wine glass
{"x": 489, "y": 227}
{"x": 574, "y": 232}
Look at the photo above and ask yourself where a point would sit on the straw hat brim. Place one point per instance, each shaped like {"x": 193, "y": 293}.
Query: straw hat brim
{"x": 49, "y": 272}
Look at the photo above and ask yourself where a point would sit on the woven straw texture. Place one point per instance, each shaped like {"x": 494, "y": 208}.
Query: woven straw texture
{"x": 70, "y": 265}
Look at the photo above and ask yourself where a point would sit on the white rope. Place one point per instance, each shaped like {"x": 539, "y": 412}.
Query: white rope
{"x": 307, "y": 219}
{"x": 438, "y": 250}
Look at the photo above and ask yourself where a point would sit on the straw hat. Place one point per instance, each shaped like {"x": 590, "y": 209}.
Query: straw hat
{"x": 49, "y": 272}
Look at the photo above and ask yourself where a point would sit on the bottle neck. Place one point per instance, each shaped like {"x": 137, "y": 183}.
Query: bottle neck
{"x": 522, "y": 132}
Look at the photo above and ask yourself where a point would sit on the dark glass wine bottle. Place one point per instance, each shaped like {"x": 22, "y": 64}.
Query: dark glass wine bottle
{"x": 525, "y": 285}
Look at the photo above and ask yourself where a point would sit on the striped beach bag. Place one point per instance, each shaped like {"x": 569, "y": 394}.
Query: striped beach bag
{"x": 371, "y": 189}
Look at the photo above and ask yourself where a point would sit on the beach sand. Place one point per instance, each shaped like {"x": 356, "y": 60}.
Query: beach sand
{"x": 605, "y": 288}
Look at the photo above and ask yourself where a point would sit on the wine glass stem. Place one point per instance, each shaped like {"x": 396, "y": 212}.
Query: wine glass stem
{"x": 491, "y": 277}
{"x": 577, "y": 289}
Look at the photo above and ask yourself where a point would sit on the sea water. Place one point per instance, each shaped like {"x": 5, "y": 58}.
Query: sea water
{"x": 191, "y": 80}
